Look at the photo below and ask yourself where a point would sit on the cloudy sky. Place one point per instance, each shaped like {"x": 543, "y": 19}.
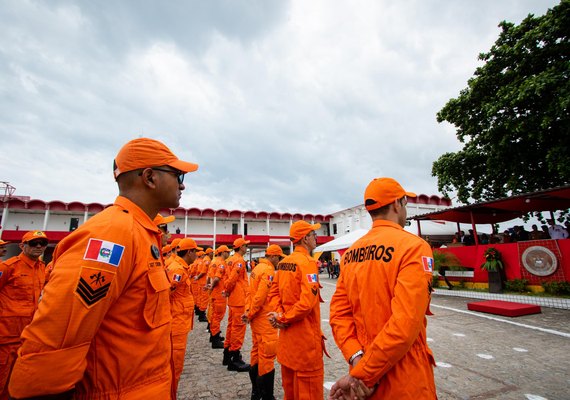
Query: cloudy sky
{"x": 287, "y": 106}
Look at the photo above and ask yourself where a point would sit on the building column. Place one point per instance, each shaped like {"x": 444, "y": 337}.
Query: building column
{"x": 241, "y": 223}
{"x": 46, "y": 219}
{"x": 186, "y": 223}
{"x": 86, "y": 214}
{"x": 214, "y": 236}
{"x": 4, "y": 218}
{"x": 267, "y": 227}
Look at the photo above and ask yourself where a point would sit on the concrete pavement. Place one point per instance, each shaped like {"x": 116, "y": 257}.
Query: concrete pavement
{"x": 479, "y": 356}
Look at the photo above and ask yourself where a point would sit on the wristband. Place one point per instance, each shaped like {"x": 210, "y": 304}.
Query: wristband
{"x": 358, "y": 353}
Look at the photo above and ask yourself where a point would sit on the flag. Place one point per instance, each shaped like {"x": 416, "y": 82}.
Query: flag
{"x": 103, "y": 251}
{"x": 312, "y": 278}
{"x": 427, "y": 263}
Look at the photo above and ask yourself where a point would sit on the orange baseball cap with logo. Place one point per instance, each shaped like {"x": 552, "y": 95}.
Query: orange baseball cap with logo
{"x": 300, "y": 229}
{"x": 240, "y": 242}
{"x": 31, "y": 235}
{"x": 175, "y": 242}
{"x": 274, "y": 250}
{"x": 160, "y": 220}
{"x": 147, "y": 153}
{"x": 222, "y": 249}
{"x": 383, "y": 191}
{"x": 188, "y": 244}
{"x": 209, "y": 250}
{"x": 166, "y": 249}
{"x": 200, "y": 253}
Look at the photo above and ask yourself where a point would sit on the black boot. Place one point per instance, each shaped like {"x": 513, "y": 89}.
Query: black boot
{"x": 217, "y": 342}
{"x": 255, "y": 391}
{"x": 236, "y": 363}
{"x": 265, "y": 385}
{"x": 208, "y": 329}
{"x": 196, "y": 310}
{"x": 202, "y": 316}
{"x": 227, "y": 357}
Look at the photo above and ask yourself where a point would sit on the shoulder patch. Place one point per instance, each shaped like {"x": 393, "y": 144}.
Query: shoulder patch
{"x": 104, "y": 252}
{"x": 1, "y": 273}
{"x": 427, "y": 262}
{"x": 93, "y": 285}
{"x": 312, "y": 278}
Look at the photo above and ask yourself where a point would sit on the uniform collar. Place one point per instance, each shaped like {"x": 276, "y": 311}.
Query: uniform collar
{"x": 301, "y": 249}
{"x": 384, "y": 222}
{"x": 139, "y": 215}
{"x": 27, "y": 260}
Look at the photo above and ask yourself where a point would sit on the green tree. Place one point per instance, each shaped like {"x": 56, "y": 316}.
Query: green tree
{"x": 513, "y": 117}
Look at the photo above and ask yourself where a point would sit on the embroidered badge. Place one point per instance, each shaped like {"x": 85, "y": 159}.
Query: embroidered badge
{"x": 93, "y": 285}
{"x": 105, "y": 252}
{"x": 270, "y": 278}
{"x": 239, "y": 265}
{"x": 314, "y": 290}
{"x": 427, "y": 262}
{"x": 312, "y": 278}
{"x": 155, "y": 252}
{"x": 177, "y": 277}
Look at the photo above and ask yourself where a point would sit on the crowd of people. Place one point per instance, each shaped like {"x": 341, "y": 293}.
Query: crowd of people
{"x": 109, "y": 317}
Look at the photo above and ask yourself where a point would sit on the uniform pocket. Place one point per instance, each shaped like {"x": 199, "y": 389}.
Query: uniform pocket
{"x": 157, "y": 305}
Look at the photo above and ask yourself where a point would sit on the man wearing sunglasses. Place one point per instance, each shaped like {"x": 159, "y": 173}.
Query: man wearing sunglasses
{"x": 22, "y": 279}
{"x": 103, "y": 327}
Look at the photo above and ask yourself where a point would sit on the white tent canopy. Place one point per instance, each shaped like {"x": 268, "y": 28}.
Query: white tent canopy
{"x": 343, "y": 242}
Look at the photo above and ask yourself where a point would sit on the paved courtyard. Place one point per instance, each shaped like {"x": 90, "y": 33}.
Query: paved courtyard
{"x": 479, "y": 356}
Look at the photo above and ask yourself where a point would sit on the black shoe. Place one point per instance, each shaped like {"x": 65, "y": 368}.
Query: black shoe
{"x": 255, "y": 391}
{"x": 202, "y": 316}
{"x": 265, "y": 385}
{"x": 217, "y": 342}
{"x": 227, "y": 357}
{"x": 236, "y": 363}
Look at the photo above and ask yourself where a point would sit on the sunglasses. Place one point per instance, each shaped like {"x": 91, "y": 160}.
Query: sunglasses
{"x": 36, "y": 243}
{"x": 178, "y": 174}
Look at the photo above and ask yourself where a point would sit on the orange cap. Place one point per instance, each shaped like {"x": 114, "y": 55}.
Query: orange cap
{"x": 175, "y": 242}
{"x": 166, "y": 249}
{"x": 146, "y": 153}
{"x": 160, "y": 220}
{"x": 222, "y": 249}
{"x": 274, "y": 250}
{"x": 300, "y": 229}
{"x": 31, "y": 235}
{"x": 188, "y": 244}
{"x": 2, "y": 243}
{"x": 383, "y": 191}
{"x": 240, "y": 242}
{"x": 200, "y": 253}
{"x": 209, "y": 250}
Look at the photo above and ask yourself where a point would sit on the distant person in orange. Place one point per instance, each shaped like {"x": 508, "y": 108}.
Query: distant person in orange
{"x": 236, "y": 290}
{"x": 202, "y": 278}
{"x": 162, "y": 223}
{"x": 166, "y": 250}
{"x": 22, "y": 279}
{"x": 378, "y": 310}
{"x": 296, "y": 298}
{"x": 3, "y": 248}
{"x": 218, "y": 300}
{"x": 173, "y": 252}
{"x": 181, "y": 302}
{"x": 102, "y": 329}
{"x": 195, "y": 286}
{"x": 264, "y": 336}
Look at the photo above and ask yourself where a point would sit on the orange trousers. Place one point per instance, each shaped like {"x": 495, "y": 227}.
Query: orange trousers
{"x": 302, "y": 385}
{"x": 264, "y": 339}
{"x": 7, "y": 359}
{"x": 235, "y": 332}
{"x": 218, "y": 311}
{"x": 202, "y": 298}
{"x": 178, "y": 354}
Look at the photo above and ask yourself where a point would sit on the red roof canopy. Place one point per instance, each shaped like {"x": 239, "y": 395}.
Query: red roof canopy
{"x": 506, "y": 209}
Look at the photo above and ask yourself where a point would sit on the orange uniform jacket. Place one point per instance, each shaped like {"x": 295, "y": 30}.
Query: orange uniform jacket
{"x": 218, "y": 270}
{"x": 21, "y": 283}
{"x": 295, "y": 294}
{"x": 181, "y": 299}
{"x": 379, "y": 306}
{"x": 103, "y": 325}
{"x": 236, "y": 281}
{"x": 260, "y": 282}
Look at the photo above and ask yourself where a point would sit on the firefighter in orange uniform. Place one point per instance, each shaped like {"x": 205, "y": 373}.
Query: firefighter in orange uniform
{"x": 379, "y": 306}
{"x": 236, "y": 290}
{"x": 264, "y": 336}
{"x": 102, "y": 329}
{"x": 166, "y": 250}
{"x": 173, "y": 253}
{"x": 22, "y": 279}
{"x": 218, "y": 300}
{"x": 296, "y": 298}
{"x": 162, "y": 223}
{"x": 194, "y": 285}
{"x": 204, "y": 295}
{"x": 181, "y": 302}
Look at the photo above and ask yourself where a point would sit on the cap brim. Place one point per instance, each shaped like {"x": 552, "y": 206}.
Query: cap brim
{"x": 183, "y": 166}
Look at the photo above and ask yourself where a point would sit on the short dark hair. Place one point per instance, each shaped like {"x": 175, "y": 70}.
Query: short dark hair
{"x": 182, "y": 253}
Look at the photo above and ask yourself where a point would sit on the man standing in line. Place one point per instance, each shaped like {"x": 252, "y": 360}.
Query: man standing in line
{"x": 22, "y": 279}
{"x": 379, "y": 306}
{"x": 264, "y": 336}
{"x": 296, "y": 298}
{"x": 201, "y": 278}
{"x": 218, "y": 300}
{"x": 181, "y": 302}
{"x": 236, "y": 290}
{"x": 102, "y": 329}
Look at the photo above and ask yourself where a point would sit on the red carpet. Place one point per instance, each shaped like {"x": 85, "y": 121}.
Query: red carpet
{"x": 506, "y": 308}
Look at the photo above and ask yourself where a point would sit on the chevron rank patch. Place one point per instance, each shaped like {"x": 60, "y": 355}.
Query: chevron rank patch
{"x": 93, "y": 285}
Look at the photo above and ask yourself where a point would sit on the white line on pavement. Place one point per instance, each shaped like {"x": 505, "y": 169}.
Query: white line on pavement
{"x": 537, "y": 328}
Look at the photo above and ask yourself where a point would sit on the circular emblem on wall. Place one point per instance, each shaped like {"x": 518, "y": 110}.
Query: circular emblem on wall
{"x": 538, "y": 260}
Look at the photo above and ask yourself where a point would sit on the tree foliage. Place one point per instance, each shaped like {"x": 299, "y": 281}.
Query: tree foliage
{"x": 513, "y": 117}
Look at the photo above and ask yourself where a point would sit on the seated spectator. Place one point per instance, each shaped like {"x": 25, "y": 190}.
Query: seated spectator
{"x": 484, "y": 238}
{"x": 535, "y": 234}
{"x": 545, "y": 233}
{"x": 469, "y": 240}
{"x": 521, "y": 234}
{"x": 507, "y": 237}
{"x": 556, "y": 231}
